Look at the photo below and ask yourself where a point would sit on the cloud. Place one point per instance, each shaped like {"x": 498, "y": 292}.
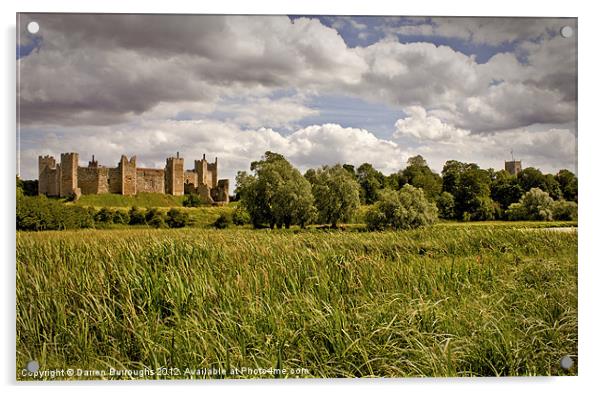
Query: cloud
{"x": 425, "y": 127}
{"x": 103, "y": 69}
{"x": 491, "y": 31}
{"x": 153, "y": 84}
{"x": 92, "y": 68}
{"x": 267, "y": 112}
{"x": 307, "y": 147}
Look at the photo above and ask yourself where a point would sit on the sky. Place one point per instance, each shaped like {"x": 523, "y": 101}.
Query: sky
{"x": 320, "y": 90}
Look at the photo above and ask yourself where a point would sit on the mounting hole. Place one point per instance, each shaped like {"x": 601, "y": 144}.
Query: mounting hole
{"x": 566, "y": 31}
{"x": 566, "y": 362}
{"x": 33, "y": 366}
{"x": 33, "y": 27}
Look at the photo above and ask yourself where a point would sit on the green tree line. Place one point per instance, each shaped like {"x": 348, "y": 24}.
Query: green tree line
{"x": 276, "y": 194}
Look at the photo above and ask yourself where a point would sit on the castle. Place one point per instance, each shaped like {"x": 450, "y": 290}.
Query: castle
{"x": 68, "y": 179}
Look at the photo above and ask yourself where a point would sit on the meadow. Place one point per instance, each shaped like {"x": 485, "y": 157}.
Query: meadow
{"x": 449, "y": 300}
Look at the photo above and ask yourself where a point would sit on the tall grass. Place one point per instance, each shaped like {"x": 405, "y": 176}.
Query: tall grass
{"x": 445, "y": 301}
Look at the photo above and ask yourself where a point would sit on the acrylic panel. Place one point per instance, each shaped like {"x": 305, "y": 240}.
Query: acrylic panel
{"x": 229, "y": 196}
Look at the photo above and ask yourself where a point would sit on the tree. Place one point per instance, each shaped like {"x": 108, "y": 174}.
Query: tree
{"x": 505, "y": 189}
{"x": 371, "y": 181}
{"x": 530, "y": 178}
{"x": 552, "y": 187}
{"x": 350, "y": 168}
{"x": 276, "y": 194}
{"x": 451, "y": 176}
{"x": 564, "y": 210}
{"x": 533, "y": 205}
{"x": 445, "y": 205}
{"x": 336, "y": 194}
{"x": 568, "y": 184}
{"x": 470, "y": 187}
{"x": 27, "y": 187}
{"x": 419, "y": 175}
{"x": 416, "y": 161}
{"x": 403, "y": 209}
{"x": 395, "y": 181}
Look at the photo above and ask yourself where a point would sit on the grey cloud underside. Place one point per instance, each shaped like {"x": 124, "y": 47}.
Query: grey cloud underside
{"x": 102, "y": 69}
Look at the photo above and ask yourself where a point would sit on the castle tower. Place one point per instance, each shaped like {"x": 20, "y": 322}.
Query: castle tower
{"x": 513, "y": 167}
{"x": 46, "y": 165}
{"x": 207, "y": 172}
{"x": 174, "y": 175}
{"x": 128, "y": 175}
{"x": 212, "y": 168}
{"x": 68, "y": 174}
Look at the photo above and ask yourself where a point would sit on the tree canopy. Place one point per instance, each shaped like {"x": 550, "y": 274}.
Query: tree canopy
{"x": 336, "y": 193}
{"x": 276, "y": 194}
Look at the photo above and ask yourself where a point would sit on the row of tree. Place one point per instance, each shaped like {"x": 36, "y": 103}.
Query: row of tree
{"x": 277, "y": 195}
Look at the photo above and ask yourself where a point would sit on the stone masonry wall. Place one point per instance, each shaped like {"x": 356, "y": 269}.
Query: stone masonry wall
{"x": 87, "y": 180}
{"x": 114, "y": 180}
{"x": 191, "y": 177}
{"x": 150, "y": 180}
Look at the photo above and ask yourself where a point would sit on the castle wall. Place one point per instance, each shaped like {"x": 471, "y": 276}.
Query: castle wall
{"x": 103, "y": 180}
{"x": 220, "y": 193}
{"x": 191, "y": 178}
{"x": 150, "y": 180}
{"x": 54, "y": 179}
{"x": 114, "y": 180}
{"x": 87, "y": 180}
{"x": 50, "y": 180}
{"x": 93, "y": 180}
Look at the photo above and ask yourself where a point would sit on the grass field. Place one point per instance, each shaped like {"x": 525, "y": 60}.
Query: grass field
{"x": 451, "y": 300}
{"x": 142, "y": 200}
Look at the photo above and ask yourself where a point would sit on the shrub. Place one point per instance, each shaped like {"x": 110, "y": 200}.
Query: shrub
{"x": 564, "y": 210}
{"x": 121, "y": 217}
{"x": 533, "y": 205}
{"x": 105, "y": 215}
{"x": 223, "y": 221}
{"x": 41, "y": 213}
{"x": 158, "y": 221}
{"x": 176, "y": 218}
{"x": 408, "y": 208}
{"x": 137, "y": 216}
{"x": 192, "y": 200}
{"x": 241, "y": 216}
{"x": 155, "y": 218}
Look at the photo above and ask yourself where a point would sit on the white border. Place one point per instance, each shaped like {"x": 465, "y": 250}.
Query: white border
{"x": 589, "y": 144}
